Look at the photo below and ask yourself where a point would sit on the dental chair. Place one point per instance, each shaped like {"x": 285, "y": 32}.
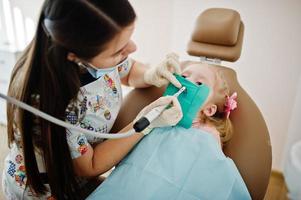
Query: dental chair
{"x": 218, "y": 36}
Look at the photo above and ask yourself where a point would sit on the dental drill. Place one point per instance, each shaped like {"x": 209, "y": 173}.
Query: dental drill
{"x": 139, "y": 126}
{"x": 146, "y": 120}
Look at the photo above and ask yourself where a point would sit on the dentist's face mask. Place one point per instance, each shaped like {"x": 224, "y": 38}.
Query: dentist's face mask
{"x": 191, "y": 99}
{"x": 98, "y": 72}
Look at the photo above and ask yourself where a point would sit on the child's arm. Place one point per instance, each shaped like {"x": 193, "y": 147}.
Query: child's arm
{"x": 105, "y": 155}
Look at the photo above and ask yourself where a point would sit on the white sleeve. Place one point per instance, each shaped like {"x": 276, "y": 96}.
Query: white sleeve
{"x": 125, "y": 68}
{"x": 77, "y": 141}
{"x": 78, "y": 144}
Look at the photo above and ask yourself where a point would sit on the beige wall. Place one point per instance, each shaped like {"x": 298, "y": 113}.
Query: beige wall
{"x": 29, "y": 12}
{"x": 268, "y": 68}
{"x": 153, "y": 29}
{"x": 294, "y": 133}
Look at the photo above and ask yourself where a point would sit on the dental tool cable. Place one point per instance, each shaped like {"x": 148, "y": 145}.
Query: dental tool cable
{"x": 139, "y": 126}
{"x": 95, "y": 135}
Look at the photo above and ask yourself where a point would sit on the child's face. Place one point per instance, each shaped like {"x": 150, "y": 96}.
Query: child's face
{"x": 199, "y": 74}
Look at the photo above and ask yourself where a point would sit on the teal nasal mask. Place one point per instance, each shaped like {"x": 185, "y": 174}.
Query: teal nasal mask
{"x": 191, "y": 99}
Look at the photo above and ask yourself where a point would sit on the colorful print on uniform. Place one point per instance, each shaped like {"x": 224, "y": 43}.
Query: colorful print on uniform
{"x": 108, "y": 102}
{"x": 72, "y": 114}
{"x": 83, "y": 106}
{"x": 114, "y": 89}
{"x": 11, "y": 169}
{"x": 107, "y": 114}
{"x": 108, "y": 80}
{"x": 120, "y": 68}
{"x": 19, "y": 159}
{"x": 96, "y": 104}
{"x": 86, "y": 125}
{"x": 82, "y": 149}
{"x": 124, "y": 66}
{"x": 20, "y": 176}
{"x": 82, "y": 142}
{"x": 103, "y": 129}
{"x": 110, "y": 83}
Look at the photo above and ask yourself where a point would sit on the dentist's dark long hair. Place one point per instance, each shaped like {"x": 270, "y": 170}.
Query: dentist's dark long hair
{"x": 82, "y": 27}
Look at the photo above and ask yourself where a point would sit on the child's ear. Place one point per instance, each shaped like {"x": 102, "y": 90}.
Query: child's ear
{"x": 210, "y": 110}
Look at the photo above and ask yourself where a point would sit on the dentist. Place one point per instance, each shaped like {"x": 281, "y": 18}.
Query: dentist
{"x": 73, "y": 70}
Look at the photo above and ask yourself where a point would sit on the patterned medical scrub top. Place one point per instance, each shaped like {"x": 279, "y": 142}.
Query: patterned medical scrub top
{"x": 95, "y": 109}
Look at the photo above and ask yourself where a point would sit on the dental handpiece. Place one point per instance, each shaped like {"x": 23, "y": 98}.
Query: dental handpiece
{"x": 146, "y": 120}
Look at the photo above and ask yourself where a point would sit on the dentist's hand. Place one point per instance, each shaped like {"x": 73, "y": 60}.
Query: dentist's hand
{"x": 169, "y": 117}
{"x": 163, "y": 73}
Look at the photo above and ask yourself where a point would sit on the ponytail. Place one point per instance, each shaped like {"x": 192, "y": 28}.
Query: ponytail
{"x": 44, "y": 70}
{"x": 222, "y": 124}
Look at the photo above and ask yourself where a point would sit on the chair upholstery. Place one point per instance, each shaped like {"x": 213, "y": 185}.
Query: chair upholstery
{"x": 218, "y": 34}
{"x": 250, "y": 146}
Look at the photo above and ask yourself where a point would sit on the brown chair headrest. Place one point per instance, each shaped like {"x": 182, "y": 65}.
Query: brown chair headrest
{"x": 218, "y": 34}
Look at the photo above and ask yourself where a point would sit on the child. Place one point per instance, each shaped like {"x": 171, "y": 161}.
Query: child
{"x": 180, "y": 163}
{"x": 214, "y": 114}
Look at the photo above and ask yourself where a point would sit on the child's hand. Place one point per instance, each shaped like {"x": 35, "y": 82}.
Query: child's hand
{"x": 163, "y": 73}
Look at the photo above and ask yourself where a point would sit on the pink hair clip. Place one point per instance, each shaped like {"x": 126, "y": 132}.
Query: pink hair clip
{"x": 230, "y": 104}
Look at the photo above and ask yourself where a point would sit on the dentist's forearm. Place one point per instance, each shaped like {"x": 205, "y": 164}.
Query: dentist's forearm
{"x": 136, "y": 75}
{"x": 105, "y": 155}
{"x": 112, "y": 151}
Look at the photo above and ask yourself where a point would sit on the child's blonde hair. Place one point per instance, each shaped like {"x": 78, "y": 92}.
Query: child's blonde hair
{"x": 220, "y": 120}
